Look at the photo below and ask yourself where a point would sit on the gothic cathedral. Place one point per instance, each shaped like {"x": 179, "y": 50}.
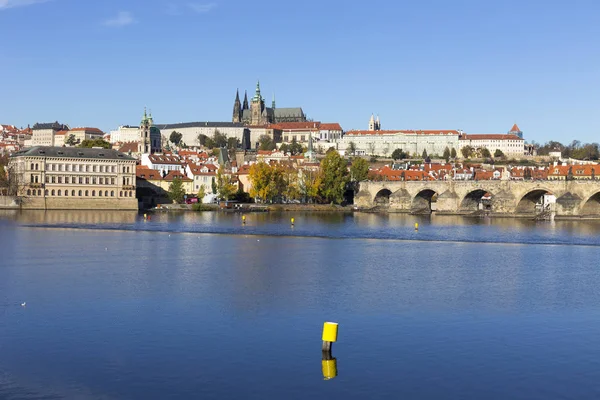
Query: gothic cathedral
{"x": 257, "y": 114}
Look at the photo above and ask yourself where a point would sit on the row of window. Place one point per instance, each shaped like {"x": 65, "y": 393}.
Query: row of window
{"x": 79, "y": 180}
{"x": 80, "y": 193}
{"x": 82, "y": 168}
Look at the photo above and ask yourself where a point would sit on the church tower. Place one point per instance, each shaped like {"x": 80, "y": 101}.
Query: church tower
{"x": 245, "y": 105}
{"x": 377, "y": 124}
{"x": 256, "y": 107}
{"x": 372, "y": 123}
{"x": 237, "y": 108}
{"x": 144, "y": 143}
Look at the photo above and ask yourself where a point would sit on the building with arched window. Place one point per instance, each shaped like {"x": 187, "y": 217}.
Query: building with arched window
{"x": 96, "y": 178}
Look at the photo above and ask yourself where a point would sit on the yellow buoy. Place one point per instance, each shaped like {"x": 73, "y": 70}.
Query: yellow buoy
{"x": 416, "y": 226}
{"x": 145, "y": 216}
{"x": 330, "y": 331}
{"x": 329, "y": 369}
{"x": 244, "y": 219}
{"x": 292, "y": 221}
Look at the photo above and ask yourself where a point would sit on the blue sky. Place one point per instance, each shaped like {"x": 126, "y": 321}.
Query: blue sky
{"x": 479, "y": 66}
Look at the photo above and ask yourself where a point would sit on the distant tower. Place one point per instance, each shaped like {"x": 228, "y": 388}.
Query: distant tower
{"x": 273, "y": 102}
{"x": 377, "y": 124}
{"x": 237, "y": 108}
{"x": 256, "y": 107}
{"x": 372, "y": 123}
{"x": 145, "y": 125}
{"x": 310, "y": 153}
{"x": 516, "y": 131}
{"x": 245, "y": 105}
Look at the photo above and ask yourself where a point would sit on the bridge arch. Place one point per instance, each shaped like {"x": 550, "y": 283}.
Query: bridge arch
{"x": 476, "y": 200}
{"x": 382, "y": 198}
{"x": 424, "y": 201}
{"x": 591, "y": 206}
{"x": 533, "y": 202}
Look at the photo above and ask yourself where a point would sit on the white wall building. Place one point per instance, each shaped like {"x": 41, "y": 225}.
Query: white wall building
{"x": 383, "y": 143}
{"x": 124, "y": 134}
{"x": 191, "y": 130}
{"x": 510, "y": 145}
{"x": 43, "y": 134}
{"x": 163, "y": 163}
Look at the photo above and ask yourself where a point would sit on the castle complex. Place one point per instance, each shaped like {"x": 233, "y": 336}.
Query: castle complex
{"x": 256, "y": 114}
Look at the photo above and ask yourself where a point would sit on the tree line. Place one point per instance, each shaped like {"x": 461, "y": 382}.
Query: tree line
{"x": 326, "y": 183}
{"x": 576, "y": 149}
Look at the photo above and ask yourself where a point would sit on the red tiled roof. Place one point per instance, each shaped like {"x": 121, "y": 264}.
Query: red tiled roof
{"x": 407, "y": 132}
{"x": 298, "y": 125}
{"x": 146, "y": 173}
{"x": 333, "y": 126}
{"x": 129, "y": 147}
{"x": 95, "y": 130}
{"x": 515, "y": 128}
{"x": 176, "y": 175}
{"x": 489, "y": 136}
{"x": 165, "y": 159}
{"x": 61, "y": 133}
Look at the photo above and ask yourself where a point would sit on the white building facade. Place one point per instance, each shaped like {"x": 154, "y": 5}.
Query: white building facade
{"x": 509, "y": 145}
{"x": 383, "y": 143}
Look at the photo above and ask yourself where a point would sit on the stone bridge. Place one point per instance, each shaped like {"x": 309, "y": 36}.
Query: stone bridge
{"x": 519, "y": 198}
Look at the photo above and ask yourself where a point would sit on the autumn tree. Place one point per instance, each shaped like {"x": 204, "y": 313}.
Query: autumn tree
{"x": 485, "y": 153}
{"x": 334, "y": 177}
{"x": 466, "y": 151}
{"x": 201, "y": 193}
{"x": 225, "y": 189}
{"x": 359, "y": 170}
{"x": 498, "y": 153}
{"x": 309, "y": 184}
{"x": 453, "y": 153}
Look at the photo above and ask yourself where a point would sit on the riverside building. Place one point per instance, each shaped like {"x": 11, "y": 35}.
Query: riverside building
{"x": 74, "y": 178}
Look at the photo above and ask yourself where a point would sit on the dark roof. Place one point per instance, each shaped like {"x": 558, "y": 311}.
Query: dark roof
{"x": 51, "y": 125}
{"x": 289, "y": 112}
{"x": 201, "y": 124}
{"x": 71, "y": 152}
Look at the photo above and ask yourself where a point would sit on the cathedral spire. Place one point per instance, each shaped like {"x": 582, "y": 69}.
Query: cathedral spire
{"x": 237, "y": 108}
{"x": 273, "y": 103}
{"x": 245, "y": 107}
{"x": 237, "y": 95}
{"x": 257, "y": 96}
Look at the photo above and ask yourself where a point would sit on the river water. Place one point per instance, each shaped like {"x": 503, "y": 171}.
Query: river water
{"x": 198, "y": 305}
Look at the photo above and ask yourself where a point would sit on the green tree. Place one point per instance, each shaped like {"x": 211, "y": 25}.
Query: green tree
{"x": 424, "y": 154}
{"x": 359, "y": 170}
{"x": 213, "y": 185}
{"x": 334, "y": 177}
{"x": 466, "y": 151}
{"x": 266, "y": 143}
{"x": 295, "y": 148}
{"x": 201, "y": 139}
{"x": 201, "y": 193}
{"x": 225, "y": 189}
{"x": 453, "y": 153}
{"x": 485, "y": 153}
{"x": 219, "y": 139}
{"x": 233, "y": 143}
{"x": 446, "y": 155}
{"x": 399, "y": 154}
{"x": 71, "y": 140}
{"x": 175, "y": 138}
{"x": 351, "y": 148}
{"x": 89, "y": 143}
{"x": 176, "y": 191}
{"x": 285, "y": 148}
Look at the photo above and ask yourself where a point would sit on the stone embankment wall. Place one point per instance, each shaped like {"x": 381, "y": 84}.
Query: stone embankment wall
{"x": 53, "y": 203}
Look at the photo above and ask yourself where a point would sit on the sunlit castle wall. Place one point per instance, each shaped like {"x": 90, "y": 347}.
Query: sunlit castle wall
{"x": 383, "y": 143}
